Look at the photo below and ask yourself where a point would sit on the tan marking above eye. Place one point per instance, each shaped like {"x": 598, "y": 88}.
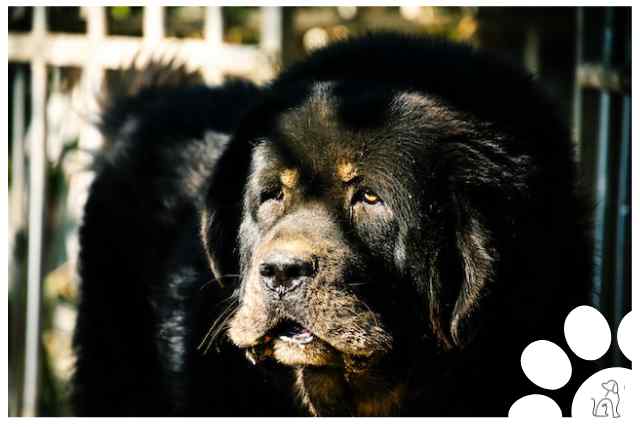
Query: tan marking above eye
{"x": 346, "y": 171}
{"x": 289, "y": 178}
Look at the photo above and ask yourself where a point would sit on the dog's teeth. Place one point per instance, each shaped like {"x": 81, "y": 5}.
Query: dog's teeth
{"x": 303, "y": 338}
{"x": 300, "y": 339}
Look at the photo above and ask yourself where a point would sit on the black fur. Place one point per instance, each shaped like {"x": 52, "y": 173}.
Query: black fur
{"x": 482, "y": 175}
{"x": 145, "y": 280}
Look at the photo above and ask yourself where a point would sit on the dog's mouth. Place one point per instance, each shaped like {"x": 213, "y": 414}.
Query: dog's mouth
{"x": 292, "y": 332}
{"x": 291, "y": 343}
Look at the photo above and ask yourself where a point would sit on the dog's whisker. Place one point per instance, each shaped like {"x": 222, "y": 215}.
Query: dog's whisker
{"x": 354, "y": 284}
{"x": 207, "y": 283}
{"x": 217, "y": 326}
{"x": 221, "y": 327}
{"x": 221, "y": 318}
{"x": 229, "y": 299}
{"x": 217, "y": 331}
{"x": 371, "y": 312}
{"x": 217, "y": 279}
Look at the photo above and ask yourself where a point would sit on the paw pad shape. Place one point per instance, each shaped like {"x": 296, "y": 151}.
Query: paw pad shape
{"x": 606, "y": 394}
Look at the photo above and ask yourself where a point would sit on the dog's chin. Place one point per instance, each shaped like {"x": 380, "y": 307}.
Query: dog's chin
{"x": 328, "y": 381}
{"x": 316, "y": 353}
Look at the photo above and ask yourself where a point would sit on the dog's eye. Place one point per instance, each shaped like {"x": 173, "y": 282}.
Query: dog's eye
{"x": 367, "y": 196}
{"x": 274, "y": 194}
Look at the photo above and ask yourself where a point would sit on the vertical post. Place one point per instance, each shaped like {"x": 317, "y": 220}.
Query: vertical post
{"x": 623, "y": 213}
{"x": 577, "y": 89}
{"x": 289, "y": 47}
{"x": 96, "y": 23}
{"x": 623, "y": 210}
{"x": 532, "y": 51}
{"x": 153, "y": 26}
{"x": 213, "y": 26}
{"x": 271, "y": 32}
{"x": 37, "y": 197}
{"x": 602, "y": 171}
{"x": 17, "y": 152}
{"x": 213, "y": 35}
{"x": 93, "y": 74}
{"x": 17, "y": 207}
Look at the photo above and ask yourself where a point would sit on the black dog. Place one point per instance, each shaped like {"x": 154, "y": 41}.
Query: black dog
{"x": 381, "y": 230}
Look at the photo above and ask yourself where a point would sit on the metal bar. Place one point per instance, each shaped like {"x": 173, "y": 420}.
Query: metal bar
{"x": 602, "y": 174}
{"x": 577, "y": 89}
{"x": 623, "y": 214}
{"x": 37, "y": 196}
{"x": 624, "y": 211}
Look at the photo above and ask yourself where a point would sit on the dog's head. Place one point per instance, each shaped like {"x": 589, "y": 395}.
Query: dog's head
{"x": 367, "y": 217}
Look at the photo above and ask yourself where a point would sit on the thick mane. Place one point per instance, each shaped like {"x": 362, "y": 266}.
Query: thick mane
{"x": 475, "y": 81}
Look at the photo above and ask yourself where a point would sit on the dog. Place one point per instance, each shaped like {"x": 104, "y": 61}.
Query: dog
{"x": 379, "y": 231}
{"x": 609, "y": 402}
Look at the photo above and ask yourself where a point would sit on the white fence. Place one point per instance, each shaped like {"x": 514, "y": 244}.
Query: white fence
{"x": 96, "y": 52}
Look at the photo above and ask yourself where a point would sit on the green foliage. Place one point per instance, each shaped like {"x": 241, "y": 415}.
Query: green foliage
{"x": 120, "y": 13}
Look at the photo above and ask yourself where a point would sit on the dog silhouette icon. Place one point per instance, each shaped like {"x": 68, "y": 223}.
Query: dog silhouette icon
{"x": 608, "y": 405}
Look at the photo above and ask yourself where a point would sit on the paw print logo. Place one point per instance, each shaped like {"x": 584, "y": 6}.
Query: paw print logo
{"x": 605, "y": 394}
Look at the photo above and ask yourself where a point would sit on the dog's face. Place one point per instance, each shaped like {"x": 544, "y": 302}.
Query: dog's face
{"x": 357, "y": 247}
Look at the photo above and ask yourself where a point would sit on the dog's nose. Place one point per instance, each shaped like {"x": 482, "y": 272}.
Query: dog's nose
{"x": 281, "y": 273}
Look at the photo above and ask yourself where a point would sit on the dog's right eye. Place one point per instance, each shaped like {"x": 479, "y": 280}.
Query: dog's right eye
{"x": 367, "y": 197}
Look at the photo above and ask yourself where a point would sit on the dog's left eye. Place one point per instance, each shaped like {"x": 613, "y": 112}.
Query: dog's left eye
{"x": 366, "y": 196}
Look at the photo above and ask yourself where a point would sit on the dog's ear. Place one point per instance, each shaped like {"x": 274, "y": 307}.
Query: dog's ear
{"x": 611, "y": 386}
{"x": 459, "y": 278}
{"x": 222, "y": 210}
{"x": 473, "y": 243}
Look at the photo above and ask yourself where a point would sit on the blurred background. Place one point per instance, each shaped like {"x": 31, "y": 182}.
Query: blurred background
{"x": 58, "y": 58}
